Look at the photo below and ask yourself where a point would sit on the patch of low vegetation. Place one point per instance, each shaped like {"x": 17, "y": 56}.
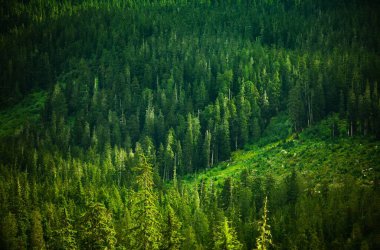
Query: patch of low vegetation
{"x": 317, "y": 153}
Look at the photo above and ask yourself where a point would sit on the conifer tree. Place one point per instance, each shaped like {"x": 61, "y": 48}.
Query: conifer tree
{"x": 37, "y": 234}
{"x": 224, "y": 140}
{"x": 226, "y": 195}
{"x": 225, "y": 237}
{"x": 66, "y": 234}
{"x": 295, "y": 107}
{"x": 265, "y": 238}
{"x": 188, "y": 145}
{"x": 146, "y": 231}
{"x": 96, "y": 228}
{"x": 206, "y": 149}
{"x": 172, "y": 233}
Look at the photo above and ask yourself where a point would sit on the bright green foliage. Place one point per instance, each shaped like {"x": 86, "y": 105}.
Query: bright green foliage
{"x": 96, "y": 228}
{"x": 146, "y": 228}
{"x": 265, "y": 238}
{"x": 225, "y": 237}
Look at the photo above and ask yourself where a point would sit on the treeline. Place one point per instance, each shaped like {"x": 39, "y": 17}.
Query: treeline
{"x": 83, "y": 206}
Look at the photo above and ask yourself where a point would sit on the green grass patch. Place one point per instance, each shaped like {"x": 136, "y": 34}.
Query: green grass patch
{"x": 325, "y": 158}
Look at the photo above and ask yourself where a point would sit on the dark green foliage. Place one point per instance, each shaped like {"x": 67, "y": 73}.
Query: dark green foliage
{"x": 103, "y": 121}
{"x": 227, "y": 193}
{"x": 37, "y": 235}
{"x": 296, "y": 108}
{"x": 9, "y": 232}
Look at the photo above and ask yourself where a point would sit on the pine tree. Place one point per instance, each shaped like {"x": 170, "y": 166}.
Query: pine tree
{"x": 96, "y": 228}
{"x": 244, "y": 111}
{"x": 224, "y": 140}
{"x": 172, "y": 233}
{"x": 256, "y": 130}
{"x": 295, "y": 107}
{"x": 149, "y": 124}
{"x": 188, "y": 148}
{"x": 146, "y": 231}
{"x": 66, "y": 234}
{"x": 226, "y": 195}
{"x": 206, "y": 150}
{"x": 265, "y": 238}
{"x": 37, "y": 234}
{"x": 169, "y": 155}
{"x": 366, "y": 109}
{"x": 225, "y": 237}
{"x": 352, "y": 111}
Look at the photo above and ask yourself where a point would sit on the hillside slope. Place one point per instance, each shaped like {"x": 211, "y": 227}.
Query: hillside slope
{"x": 127, "y": 131}
{"x": 327, "y": 159}
{"x": 322, "y": 191}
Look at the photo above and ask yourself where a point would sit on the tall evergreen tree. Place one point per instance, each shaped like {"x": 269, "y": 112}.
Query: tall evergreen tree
{"x": 146, "y": 230}
{"x": 96, "y": 228}
{"x": 66, "y": 234}
{"x": 295, "y": 106}
{"x": 172, "y": 233}
{"x": 225, "y": 237}
{"x": 265, "y": 237}
{"x": 37, "y": 234}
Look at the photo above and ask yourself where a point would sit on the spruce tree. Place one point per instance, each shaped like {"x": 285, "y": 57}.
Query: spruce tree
{"x": 225, "y": 237}
{"x": 295, "y": 107}
{"x": 206, "y": 149}
{"x": 146, "y": 230}
{"x": 37, "y": 234}
{"x": 265, "y": 237}
{"x": 96, "y": 228}
{"x": 66, "y": 234}
{"x": 172, "y": 234}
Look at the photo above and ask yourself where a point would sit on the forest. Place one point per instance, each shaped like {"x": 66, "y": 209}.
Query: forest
{"x": 189, "y": 124}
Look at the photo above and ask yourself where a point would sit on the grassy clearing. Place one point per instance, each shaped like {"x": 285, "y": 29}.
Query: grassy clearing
{"x": 27, "y": 111}
{"x": 316, "y": 159}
